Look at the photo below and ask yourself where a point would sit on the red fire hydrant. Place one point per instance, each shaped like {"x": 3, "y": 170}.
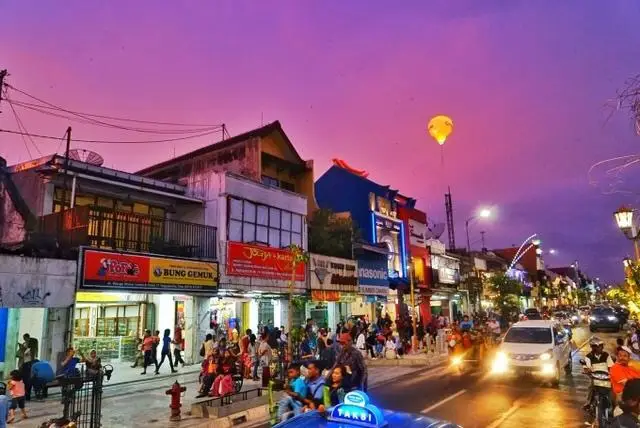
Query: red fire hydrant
{"x": 176, "y": 393}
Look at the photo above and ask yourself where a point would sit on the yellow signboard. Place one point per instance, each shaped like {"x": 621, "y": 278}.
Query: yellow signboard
{"x": 184, "y": 272}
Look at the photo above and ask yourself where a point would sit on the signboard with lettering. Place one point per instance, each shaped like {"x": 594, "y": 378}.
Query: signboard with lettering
{"x": 257, "y": 261}
{"x": 357, "y": 410}
{"x": 417, "y": 233}
{"x": 114, "y": 271}
{"x": 333, "y": 273}
{"x": 373, "y": 277}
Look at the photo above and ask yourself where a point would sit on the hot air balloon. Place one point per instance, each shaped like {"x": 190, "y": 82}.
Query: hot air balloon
{"x": 440, "y": 127}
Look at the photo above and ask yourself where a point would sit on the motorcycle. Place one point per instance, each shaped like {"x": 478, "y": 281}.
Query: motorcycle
{"x": 600, "y": 408}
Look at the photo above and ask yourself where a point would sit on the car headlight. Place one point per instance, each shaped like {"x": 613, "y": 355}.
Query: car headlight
{"x": 592, "y": 318}
{"x": 548, "y": 369}
{"x": 546, "y": 356}
{"x": 500, "y": 363}
{"x": 612, "y": 318}
{"x": 575, "y": 318}
{"x": 456, "y": 360}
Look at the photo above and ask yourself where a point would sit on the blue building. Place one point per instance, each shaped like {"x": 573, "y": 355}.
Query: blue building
{"x": 373, "y": 209}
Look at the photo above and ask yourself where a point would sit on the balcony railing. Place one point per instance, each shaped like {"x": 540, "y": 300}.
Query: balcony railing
{"x": 119, "y": 230}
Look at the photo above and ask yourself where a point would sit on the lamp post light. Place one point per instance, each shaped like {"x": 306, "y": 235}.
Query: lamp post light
{"x": 483, "y": 213}
{"x": 624, "y": 221}
{"x": 414, "y": 318}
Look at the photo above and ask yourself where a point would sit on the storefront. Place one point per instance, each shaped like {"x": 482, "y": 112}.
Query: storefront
{"x": 333, "y": 282}
{"x": 415, "y": 222}
{"x": 446, "y": 297}
{"x": 35, "y": 298}
{"x": 122, "y": 294}
{"x": 258, "y": 278}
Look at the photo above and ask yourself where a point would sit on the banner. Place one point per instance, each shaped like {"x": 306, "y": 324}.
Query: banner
{"x": 261, "y": 262}
{"x": 113, "y": 271}
{"x": 333, "y": 273}
{"x": 325, "y": 296}
{"x": 373, "y": 277}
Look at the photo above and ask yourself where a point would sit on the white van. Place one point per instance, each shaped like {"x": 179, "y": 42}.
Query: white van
{"x": 539, "y": 348}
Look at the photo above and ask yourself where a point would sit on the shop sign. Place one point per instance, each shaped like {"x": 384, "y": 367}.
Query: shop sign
{"x": 325, "y": 296}
{"x": 111, "y": 270}
{"x": 261, "y": 262}
{"x": 417, "y": 233}
{"x": 347, "y": 297}
{"x": 373, "y": 277}
{"x": 332, "y": 273}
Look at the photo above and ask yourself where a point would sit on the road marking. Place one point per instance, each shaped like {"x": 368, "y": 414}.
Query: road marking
{"x": 441, "y": 402}
{"x": 495, "y": 424}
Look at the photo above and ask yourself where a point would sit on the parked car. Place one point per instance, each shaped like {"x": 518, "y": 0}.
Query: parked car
{"x": 532, "y": 314}
{"x": 604, "y": 318}
{"x": 539, "y": 348}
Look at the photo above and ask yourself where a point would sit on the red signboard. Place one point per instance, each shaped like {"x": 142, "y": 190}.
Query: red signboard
{"x": 261, "y": 262}
{"x": 325, "y": 296}
{"x": 110, "y": 270}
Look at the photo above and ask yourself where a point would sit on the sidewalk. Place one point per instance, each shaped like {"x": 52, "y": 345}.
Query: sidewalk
{"x": 145, "y": 404}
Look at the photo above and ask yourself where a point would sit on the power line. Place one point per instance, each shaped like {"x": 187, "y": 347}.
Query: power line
{"x": 90, "y": 121}
{"x": 49, "y": 137}
{"x": 122, "y": 119}
{"x": 22, "y": 127}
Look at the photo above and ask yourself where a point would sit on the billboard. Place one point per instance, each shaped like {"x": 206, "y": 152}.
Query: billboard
{"x": 256, "y": 261}
{"x": 113, "y": 271}
{"x": 373, "y": 277}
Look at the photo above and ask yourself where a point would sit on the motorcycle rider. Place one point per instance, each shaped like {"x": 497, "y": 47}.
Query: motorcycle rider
{"x": 597, "y": 360}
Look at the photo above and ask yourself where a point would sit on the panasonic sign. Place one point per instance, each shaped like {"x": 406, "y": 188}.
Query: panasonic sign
{"x": 373, "y": 272}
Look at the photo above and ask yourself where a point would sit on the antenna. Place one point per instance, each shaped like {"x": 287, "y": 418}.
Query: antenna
{"x": 448, "y": 204}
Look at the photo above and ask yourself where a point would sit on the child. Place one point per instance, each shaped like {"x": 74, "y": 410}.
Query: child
{"x": 5, "y": 403}
{"x": 16, "y": 389}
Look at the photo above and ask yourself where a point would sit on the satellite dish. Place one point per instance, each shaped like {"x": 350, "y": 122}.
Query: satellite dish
{"x": 86, "y": 156}
{"x": 434, "y": 230}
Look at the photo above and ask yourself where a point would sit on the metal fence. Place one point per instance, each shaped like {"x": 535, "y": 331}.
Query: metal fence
{"x": 119, "y": 230}
{"x": 82, "y": 398}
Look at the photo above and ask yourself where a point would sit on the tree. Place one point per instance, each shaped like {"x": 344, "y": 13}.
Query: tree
{"x": 298, "y": 256}
{"x": 506, "y": 293}
{"x": 332, "y": 235}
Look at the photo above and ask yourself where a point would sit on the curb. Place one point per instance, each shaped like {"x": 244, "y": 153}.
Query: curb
{"x": 418, "y": 368}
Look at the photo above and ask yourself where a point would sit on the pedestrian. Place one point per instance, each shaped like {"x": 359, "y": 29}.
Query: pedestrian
{"x": 139, "y": 358}
{"x": 207, "y": 347}
{"x": 295, "y": 392}
{"x": 255, "y": 357}
{"x": 630, "y": 406}
{"x": 5, "y": 405}
{"x": 315, "y": 385}
{"x": 354, "y": 363}
{"x": 361, "y": 343}
{"x": 154, "y": 347}
{"x": 621, "y": 372}
{"x": 69, "y": 365}
{"x": 178, "y": 346}
{"x": 147, "y": 349}
{"x": 93, "y": 363}
{"x": 29, "y": 351}
{"x": 16, "y": 390}
{"x": 328, "y": 354}
{"x": 336, "y": 386}
{"x": 41, "y": 374}
{"x": 166, "y": 352}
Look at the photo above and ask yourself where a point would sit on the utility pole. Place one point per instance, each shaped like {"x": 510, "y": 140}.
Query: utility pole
{"x": 66, "y": 167}
{"x": 482, "y": 237}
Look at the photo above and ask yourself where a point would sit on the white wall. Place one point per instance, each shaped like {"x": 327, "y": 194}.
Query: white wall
{"x": 32, "y": 322}
{"x": 37, "y": 283}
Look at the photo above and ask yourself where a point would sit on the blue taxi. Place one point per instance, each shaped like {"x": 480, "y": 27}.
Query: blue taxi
{"x": 357, "y": 411}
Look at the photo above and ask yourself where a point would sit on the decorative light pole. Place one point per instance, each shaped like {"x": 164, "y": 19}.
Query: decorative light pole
{"x": 483, "y": 213}
{"x": 298, "y": 256}
{"x": 624, "y": 220}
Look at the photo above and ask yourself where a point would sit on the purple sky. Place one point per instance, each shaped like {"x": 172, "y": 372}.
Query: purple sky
{"x": 524, "y": 81}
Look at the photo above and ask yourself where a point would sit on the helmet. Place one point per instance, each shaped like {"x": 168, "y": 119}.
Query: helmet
{"x": 596, "y": 342}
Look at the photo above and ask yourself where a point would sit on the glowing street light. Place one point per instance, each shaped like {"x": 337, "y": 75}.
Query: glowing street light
{"x": 624, "y": 221}
{"x": 482, "y": 213}
{"x": 553, "y": 251}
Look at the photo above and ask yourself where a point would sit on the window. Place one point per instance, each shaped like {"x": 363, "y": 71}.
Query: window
{"x": 251, "y": 222}
{"x": 274, "y": 182}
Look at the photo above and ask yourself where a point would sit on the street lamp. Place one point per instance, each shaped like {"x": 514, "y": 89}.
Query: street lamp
{"x": 483, "y": 213}
{"x": 624, "y": 221}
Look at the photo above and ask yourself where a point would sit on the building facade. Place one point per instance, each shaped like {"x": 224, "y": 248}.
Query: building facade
{"x": 258, "y": 192}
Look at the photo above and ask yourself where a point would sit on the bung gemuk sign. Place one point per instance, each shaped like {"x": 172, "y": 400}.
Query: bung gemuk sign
{"x": 110, "y": 270}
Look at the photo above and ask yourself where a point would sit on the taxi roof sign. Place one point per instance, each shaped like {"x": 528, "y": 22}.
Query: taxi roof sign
{"x": 356, "y": 410}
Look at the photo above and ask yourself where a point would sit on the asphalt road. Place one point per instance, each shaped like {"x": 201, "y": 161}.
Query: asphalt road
{"x": 475, "y": 401}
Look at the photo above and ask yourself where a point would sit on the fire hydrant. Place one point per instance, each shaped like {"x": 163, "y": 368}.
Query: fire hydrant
{"x": 176, "y": 393}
